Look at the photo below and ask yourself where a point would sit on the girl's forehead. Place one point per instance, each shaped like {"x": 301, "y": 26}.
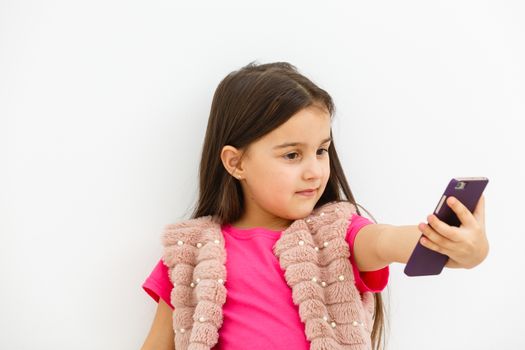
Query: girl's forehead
{"x": 309, "y": 125}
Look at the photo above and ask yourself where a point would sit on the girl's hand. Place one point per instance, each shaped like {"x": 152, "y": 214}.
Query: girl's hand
{"x": 466, "y": 245}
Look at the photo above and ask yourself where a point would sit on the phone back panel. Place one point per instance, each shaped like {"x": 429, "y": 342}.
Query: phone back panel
{"x": 424, "y": 261}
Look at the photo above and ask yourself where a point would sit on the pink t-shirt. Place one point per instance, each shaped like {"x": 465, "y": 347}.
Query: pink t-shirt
{"x": 259, "y": 312}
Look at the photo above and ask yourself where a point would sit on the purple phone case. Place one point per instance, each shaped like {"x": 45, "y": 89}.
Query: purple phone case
{"x": 424, "y": 261}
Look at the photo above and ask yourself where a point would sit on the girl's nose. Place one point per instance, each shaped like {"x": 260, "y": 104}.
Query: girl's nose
{"x": 313, "y": 168}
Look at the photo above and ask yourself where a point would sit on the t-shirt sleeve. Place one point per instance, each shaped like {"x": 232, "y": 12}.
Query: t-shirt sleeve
{"x": 158, "y": 284}
{"x": 366, "y": 281}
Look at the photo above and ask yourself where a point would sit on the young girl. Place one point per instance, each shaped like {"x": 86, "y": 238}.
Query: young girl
{"x": 276, "y": 254}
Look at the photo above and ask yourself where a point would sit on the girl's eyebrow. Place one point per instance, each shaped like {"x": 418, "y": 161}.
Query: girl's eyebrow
{"x": 290, "y": 144}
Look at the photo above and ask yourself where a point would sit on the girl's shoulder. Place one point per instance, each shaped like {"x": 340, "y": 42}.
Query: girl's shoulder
{"x": 189, "y": 230}
{"x": 335, "y": 207}
{"x": 200, "y": 221}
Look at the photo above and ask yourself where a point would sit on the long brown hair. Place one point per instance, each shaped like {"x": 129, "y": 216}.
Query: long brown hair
{"x": 249, "y": 103}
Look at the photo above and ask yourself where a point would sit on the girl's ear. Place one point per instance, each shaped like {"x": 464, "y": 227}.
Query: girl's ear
{"x": 231, "y": 159}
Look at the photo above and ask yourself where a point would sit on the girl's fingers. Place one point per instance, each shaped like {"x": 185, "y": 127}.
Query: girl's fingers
{"x": 450, "y": 232}
{"x": 434, "y": 240}
{"x": 464, "y": 215}
{"x": 465, "y": 246}
{"x": 432, "y": 246}
{"x": 479, "y": 212}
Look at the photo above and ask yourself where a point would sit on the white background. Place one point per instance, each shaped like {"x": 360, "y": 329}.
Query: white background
{"x": 103, "y": 107}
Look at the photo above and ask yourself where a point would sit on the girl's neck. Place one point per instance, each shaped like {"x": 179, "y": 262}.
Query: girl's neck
{"x": 277, "y": 224}
{"x": 255, "y": 215}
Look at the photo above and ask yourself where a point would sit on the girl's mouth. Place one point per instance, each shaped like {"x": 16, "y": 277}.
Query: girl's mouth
{"x": 307, "y": 193}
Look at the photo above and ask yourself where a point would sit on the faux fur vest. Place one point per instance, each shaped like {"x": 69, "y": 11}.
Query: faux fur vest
{"x": 314, "y": 256}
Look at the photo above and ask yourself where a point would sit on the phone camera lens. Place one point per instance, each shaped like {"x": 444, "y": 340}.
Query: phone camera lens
{"x": 460, "y": 185}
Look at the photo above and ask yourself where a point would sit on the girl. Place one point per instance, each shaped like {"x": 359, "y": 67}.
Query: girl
{"x": 276, "y": 254}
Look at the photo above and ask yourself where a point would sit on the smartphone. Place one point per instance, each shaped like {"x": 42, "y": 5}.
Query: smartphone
{"x": 467, "y": 190}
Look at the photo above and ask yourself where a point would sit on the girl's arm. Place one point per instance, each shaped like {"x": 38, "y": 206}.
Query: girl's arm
{"x": 378, "y": 245}
{"x": 161, "y": 335}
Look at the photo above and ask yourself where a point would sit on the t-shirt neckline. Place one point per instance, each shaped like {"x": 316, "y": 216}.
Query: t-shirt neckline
{"x": 251, "y": 232}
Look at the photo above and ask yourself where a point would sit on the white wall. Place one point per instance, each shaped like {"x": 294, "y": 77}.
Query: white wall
{"x": 103, "y": 106}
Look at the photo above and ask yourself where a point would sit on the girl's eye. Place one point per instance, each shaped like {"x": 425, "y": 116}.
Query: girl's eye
{"x": 291, "y": 156}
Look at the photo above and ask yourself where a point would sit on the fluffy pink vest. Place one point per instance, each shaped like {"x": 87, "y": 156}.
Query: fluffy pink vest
{"x": 312, "y": 252}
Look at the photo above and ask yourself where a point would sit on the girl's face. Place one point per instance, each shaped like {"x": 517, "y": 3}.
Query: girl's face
{"x": 277, "y": 169}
